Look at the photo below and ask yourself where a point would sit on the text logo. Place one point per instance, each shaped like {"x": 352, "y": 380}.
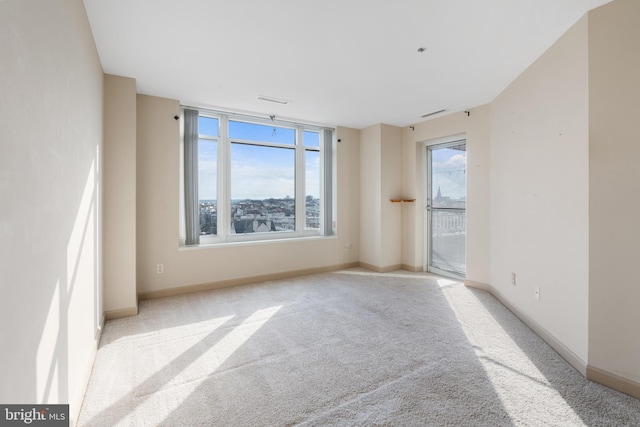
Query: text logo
{"x": 34, "y": 415}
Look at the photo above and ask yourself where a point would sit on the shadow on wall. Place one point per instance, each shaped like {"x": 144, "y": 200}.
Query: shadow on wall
{"x": 79, "y": 277}
{"x": 51, "y": 130}
{"x": 56, "y": 304}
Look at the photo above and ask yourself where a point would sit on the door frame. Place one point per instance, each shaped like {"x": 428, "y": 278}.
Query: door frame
{"x": 426, "y": 180}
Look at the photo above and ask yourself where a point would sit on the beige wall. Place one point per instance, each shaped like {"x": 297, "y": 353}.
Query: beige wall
{"x": 614, "y": 177}
{"x": 119, "y": 178}
{"x": 50, "y": 221}
{"x": 370, "y": 196}
{"x": 475, "y": 128}
{"x": 157, "y": 182}
{"x": 390, "y": 188}
{"x": 380, "y": 181}
{"x": 157, "y": 214}
{"x": 348, "y": 188}
{"x": 539, "y": 190}
{"x": 546, "y": 207}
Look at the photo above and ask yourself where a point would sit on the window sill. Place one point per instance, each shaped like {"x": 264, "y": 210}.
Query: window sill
{"x": 271, "y": 241}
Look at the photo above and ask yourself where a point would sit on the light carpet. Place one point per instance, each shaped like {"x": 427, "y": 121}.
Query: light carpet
{"x": 345, "y": 348}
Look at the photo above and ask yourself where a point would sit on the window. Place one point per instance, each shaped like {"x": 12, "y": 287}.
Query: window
{"x": 247, "y": 178}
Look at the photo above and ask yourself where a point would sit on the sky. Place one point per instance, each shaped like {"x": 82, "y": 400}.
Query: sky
{"x": 449, "y": 172}
{"x": 257, "y": 172}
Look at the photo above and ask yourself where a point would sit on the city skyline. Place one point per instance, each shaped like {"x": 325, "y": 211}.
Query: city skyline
{"x": 248, "y": 215}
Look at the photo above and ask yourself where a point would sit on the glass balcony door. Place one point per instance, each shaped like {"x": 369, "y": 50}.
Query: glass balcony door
{"x": 446, "y": 208}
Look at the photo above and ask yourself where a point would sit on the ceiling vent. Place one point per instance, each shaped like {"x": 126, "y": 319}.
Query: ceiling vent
{"x": 270, "y": 99}
{"x": 433, "y": 114}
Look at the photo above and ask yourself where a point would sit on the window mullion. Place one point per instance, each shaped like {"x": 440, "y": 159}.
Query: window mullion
{"x": 323, "y": 182}
{"x": 260, "y": 143}
{"x": 300, "y": 180}
{"x": 224, "y": 178}
{"x": 327, "y": 175}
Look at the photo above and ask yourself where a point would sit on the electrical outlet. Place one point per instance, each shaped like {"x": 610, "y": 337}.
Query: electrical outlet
{"x": 513, "y": 279}
{"x": 537, "y": 293}
{"x": 160, "y": 268}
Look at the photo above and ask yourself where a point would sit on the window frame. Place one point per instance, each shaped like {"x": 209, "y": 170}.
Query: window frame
{"x": 325, "y": 148}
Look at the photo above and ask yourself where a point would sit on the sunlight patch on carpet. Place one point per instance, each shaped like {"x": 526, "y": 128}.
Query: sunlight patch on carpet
{"x": 514, "y": 376}
{"x": 220, "y": 352}
{"x": 171, "y": 332}
{"x": 241, "y": 334}
{"x": 445, "y": 283}
{"x": 396, "y": 274}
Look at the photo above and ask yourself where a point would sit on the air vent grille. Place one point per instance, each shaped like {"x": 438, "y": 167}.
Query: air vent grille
{"x": 433, "y": 114}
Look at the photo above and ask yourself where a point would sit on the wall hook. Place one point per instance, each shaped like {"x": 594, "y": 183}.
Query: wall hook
{"x": 273, "y": 120}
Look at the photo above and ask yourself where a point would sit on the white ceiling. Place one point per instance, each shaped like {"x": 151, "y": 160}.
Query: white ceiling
{"x": 340, "y": 62}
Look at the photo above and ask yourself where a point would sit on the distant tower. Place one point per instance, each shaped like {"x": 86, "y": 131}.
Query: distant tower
{"x": 439, "y": 193}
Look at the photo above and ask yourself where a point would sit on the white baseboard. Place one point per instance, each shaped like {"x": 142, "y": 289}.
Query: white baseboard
{"x": 412, "y": 268}
{"x": 180, "y": 290}
{"x": 123, "y": 312}
{"x": 379, "y": 269}
{"x": 600, "y": 376}
{"x": 76, "y": 403}
{"x": 564, "y": 351}
{"x": 616, "y": 382}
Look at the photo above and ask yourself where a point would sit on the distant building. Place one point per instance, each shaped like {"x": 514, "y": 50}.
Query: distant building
{"x": 441, "y": 201}
{"x": 244, "y": 226}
